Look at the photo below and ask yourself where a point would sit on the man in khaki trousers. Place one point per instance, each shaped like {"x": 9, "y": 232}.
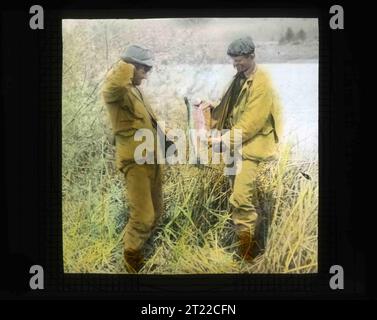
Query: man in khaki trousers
{"x": 251, "y": 106}
{"x": 129, "y": 112}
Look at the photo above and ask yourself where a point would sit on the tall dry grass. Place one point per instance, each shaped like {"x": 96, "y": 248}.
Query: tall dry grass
{"x": 195, "y": 234}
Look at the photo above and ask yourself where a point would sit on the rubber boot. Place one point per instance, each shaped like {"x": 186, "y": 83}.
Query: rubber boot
{"x": 134, "y": 261}
{"x": 245, "y": 245}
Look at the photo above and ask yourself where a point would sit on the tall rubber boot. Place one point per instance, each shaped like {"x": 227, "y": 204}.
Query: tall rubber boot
{"x": 134, "y": 261}
{"x": 245, "y": 245}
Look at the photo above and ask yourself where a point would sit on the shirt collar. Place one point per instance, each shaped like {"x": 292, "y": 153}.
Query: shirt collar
{"x": 250, "y": 73}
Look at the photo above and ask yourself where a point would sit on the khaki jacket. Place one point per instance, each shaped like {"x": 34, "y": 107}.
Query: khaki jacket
{"x": 127, "y": 109}
{"x": 257, "y": 112}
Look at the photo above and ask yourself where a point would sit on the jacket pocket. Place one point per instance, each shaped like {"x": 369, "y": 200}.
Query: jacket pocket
{"x": 125, "y": 146}
{"x": 261, "y": 147}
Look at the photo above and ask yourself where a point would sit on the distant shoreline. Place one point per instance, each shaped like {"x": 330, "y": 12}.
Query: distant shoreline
{"x": 310, "y": 61}
{"x": 297, "y": 61}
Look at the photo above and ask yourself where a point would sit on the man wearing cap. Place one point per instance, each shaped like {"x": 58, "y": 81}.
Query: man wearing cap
{"x": 129, "y": 112}
{"x": 251, "y": 105}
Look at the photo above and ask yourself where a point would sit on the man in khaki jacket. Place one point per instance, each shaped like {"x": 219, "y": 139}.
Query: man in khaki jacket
{"x": 129, "y": 112}
{"x": 251, "y": 105}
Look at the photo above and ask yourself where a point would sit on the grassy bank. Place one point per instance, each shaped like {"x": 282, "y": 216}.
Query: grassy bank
{"x": 195, "y": 235}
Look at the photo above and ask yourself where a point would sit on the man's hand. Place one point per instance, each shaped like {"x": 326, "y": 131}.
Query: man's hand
{"x": 214, "y": 140}
{"x": 202, "y": 104}
{"x": 215, "y": 144}
{"x": 167, "y": 129}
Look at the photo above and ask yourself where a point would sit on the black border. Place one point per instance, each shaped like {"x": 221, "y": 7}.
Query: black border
{"x": 31, "y": 61}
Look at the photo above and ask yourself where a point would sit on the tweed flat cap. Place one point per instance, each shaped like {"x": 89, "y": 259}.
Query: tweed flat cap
{"x": 241, "y": 47}
{"x": 139, "y": 55}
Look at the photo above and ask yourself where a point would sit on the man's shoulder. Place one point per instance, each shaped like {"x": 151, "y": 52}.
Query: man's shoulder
{"x": 262, "y": 77}
{"x": 261, "y": 73}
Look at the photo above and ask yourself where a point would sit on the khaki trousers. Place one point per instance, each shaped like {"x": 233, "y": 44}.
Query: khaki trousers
{"x": 144, "y": 195}
{"x": 244, "y": 197}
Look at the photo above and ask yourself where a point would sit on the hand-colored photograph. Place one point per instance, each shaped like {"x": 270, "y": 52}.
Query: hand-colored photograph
{"x": 190, "y": 146}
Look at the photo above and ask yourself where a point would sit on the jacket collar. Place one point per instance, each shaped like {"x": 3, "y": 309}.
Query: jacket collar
{"x": 137, "y": 94}
{"x": 251, "y": 72}
{"x": 250, "y": 78}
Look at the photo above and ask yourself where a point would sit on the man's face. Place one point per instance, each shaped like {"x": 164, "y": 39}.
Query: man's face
{"x": 243, "y": 63}
{"x": 140, "y": 74}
